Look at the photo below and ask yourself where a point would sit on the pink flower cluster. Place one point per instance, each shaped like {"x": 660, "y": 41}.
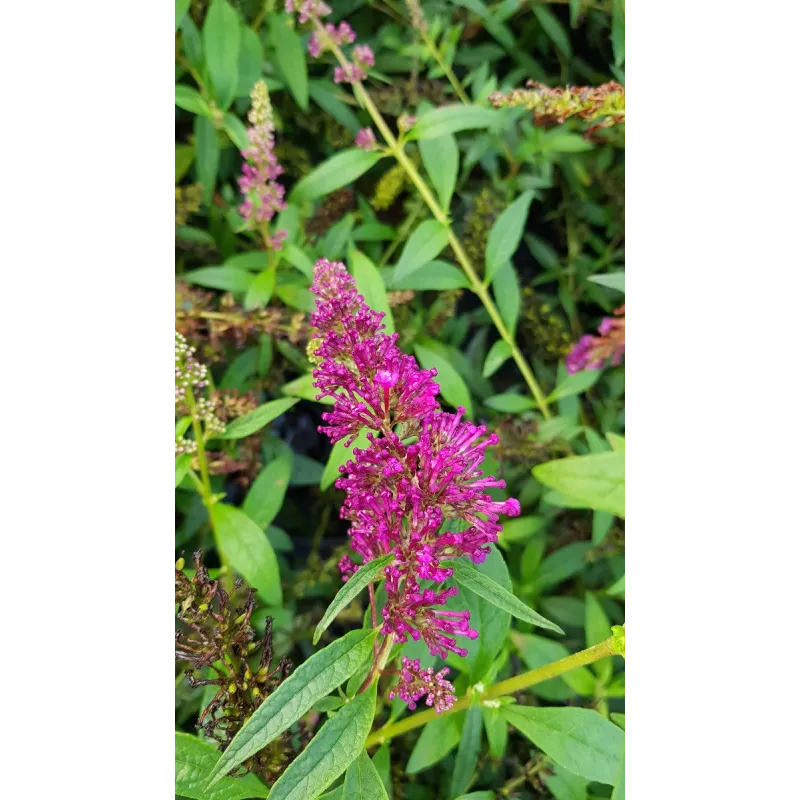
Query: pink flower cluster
{"x": 365, "y": 139}
{"x": 326, "y": 37}
{"x": 417, "y": 491}
{"x": 263, "y": 195}
{"x": 595, "y": 352}
{"x": 415, "y": 683}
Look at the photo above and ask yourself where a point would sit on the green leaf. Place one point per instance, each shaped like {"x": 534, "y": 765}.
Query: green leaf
{"x": 437, "y": 275}
{"x": 440, "y": 157}
{"x": 452, "y": 385}
{"x": 563, "y": 564}
{"x": 221, "y": 40}
{"x": 362, "y": 781}
{"x": 226, "y": 279}
{"x": 256, "y": 420}
{"x": 251, "y": 57}
{"x": 191, "y": 41}
{"x": 618, "y": 32}
{"x": 236, "y": 130}
{"x": 496, "y": 733}
{"x": 261, "y": 288}
{"x": 574, "y": 384}
{"x": 331, "y": 751}
{"x": 311, "y": 681}
{"x": 616, "y": 441}
{"x": 181, "y": 7}
{"x": 339, "y": 456}
{"x": 565, "y": 785}
{"x": 437, "y": 739}
{"x": 465, "y": 574}
{"x": 486, "y": 795}
{"x": 425, "y": 243}
{"x": 553, "y": 28}
{"x": 253, "y": 261}
{"x": 184, "y": 157}
{"x": 618, "y": 589}
{"x": 493, "y": 623}
{"x": 520, "y": 529}
{"x": 191, "y": 100}
{"x": 509, "y": 403}
{"x": 507, "y": 295}
{"x": 374, "y": 232}
{"x": 194, "y": 761}
{"x": 602, "y": 522}
{"x": 498, "y": 354}
{"x": 339, "y": 170}
{"x": 303, "y": 387}
{"x": 247, "y": 548}
{"x": 240, "y": 369}
{"x": 506, "y": 233}
{"x": 597, "y": 481}
{"x": 578, "y": 739}
{"x": 451, "y": 119}
{"x": 370, "y": 283}
{"x": 296, "y": 296}
{"x": 290, "y": 57}
{"x": 575, "y": 7}
{"x": 598, "y": 629}
{"x": 182, "y": 464}
{"x": 383, "y": 763}
{"x": 298, "y": 259}
{"x": 611, "y": 280}
{"x": 467, "y": 754}
{"x": 323, "y": 95}
{"x": 206, "y": 155}
{"x": 265, "y": 498}
{"x": 619, "y": 783}
{"x": 365, "y": 575}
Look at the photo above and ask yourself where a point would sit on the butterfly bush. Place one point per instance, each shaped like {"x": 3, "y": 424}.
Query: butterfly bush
{"x": 417, "y": 490}
{"x": 263, "y": 195}
{"x": 595, "y": 352}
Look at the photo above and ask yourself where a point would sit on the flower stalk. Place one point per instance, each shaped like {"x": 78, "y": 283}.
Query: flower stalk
{"x": 395, "y": 146}
{"x": 509, "y": 686}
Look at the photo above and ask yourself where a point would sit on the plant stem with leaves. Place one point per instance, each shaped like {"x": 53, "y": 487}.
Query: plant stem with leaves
{"x": 396, "y": 148}
{"x": 510, "y": 686}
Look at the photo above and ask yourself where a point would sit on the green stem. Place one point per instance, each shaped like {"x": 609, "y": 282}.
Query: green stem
{"x": 380, "y": 663}
{"x": 441, "y": 216}
{"x": 445, "y": 67}
{"x": 206, "y": 492}
{"x": 506, "y": 687}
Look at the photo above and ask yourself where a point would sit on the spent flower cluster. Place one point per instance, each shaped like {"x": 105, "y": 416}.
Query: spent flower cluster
{"x": 603, "y": 105}
{"x": 596, "y": 352}
{"x": 263, "y": 195}
{"x": 417, "y": 491}
{"x": 216, "y": 638}
{"x": 327, "y": 37}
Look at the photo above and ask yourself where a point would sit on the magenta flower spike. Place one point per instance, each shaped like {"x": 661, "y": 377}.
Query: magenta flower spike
{"x": 417, "y": 491}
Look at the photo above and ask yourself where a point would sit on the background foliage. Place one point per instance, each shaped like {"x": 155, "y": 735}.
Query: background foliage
{"x": 540, "y": 211}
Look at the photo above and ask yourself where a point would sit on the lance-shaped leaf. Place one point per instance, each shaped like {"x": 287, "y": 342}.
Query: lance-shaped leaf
{"x": 194, "y": 760}
{"x": 466, "y": 575}
{"x": 362, "y": 781}
{"x": 330, "y": 752}
{"x": 596, "y": 480}
{"x": 314, "y": 679}
{"x": 350, "y": 590}
{"x": 580, "y": 740}
{"x": 256, "y": 420}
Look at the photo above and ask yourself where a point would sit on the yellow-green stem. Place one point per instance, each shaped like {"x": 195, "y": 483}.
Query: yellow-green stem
{"x": 509, "y": 686}
{"x": 441, "y": 216}
{"x": 205, "y": 477}
{"x": 445, "y": 67}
